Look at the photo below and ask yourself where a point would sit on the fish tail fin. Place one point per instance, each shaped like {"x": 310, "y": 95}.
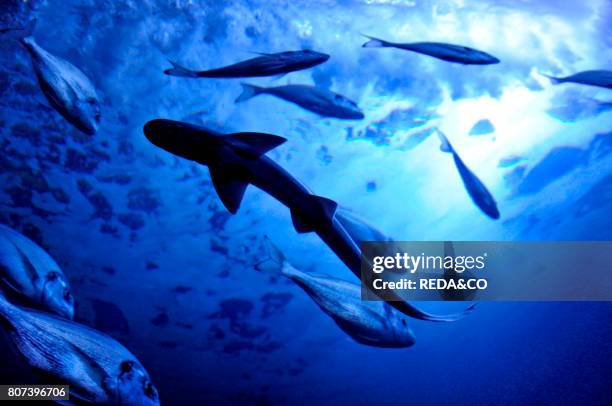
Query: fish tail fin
{"x": 274, "y": 262}
{"x": 178, "y": 70}
{"x": 22, "y": 32}
{"x": 248, "y": 92}
{"x": 553, "y": 79}
{"x": 445, "y": 146}
{"x": 375, "y": 42}
{"x": 415, "y": 312}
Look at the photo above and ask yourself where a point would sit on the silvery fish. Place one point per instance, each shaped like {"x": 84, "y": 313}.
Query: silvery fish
{"x": 476, "y": 189}
{"x": 97, "y": 368}
{"x": 446, "y": 52}
{"x": 264, "y": 65}
{"x": 311, "y": 98}
{"x": 66, "y": 88}
{"x": 27, "y": 271}
{"x": 600, "y": 78}
{"x": 373, "y": 323}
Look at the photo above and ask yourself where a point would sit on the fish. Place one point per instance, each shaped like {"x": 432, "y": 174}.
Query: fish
{"x": 315, "y": 99}
{"x": 446, "y": 52}
{"x": 64, "y": 85}
{"x": 478, "y": 192}
{"x": 29, "y": 273}
{"x": 373, "y": 323}
{"x": 97, "y": 368}
{"x": 599, "y": 78}
{"x": 264, "y": 65}
{"x": 238, "y": 159}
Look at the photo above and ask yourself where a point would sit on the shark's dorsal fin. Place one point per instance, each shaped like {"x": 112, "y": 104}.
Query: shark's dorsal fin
{"x": 328, "y": 205}
{"x": 253, "y": 145}
{"x": 228, "y": 187}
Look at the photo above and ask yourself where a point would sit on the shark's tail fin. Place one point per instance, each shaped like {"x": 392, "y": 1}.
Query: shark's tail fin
{"x": 274, "y": 261}
{"x": 248, "y": 92}
{"x": 375, "y": 42}
{"x": 445, "y": 146}
{"x": 20, "y": 33}
{"x": 178, "y": 70}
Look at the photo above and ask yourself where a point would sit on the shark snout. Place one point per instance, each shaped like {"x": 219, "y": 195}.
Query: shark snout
{"x": 155, "y": 129}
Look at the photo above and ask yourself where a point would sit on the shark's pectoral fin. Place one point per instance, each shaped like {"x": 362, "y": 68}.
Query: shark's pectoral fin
{"x": 322, "y": 210}
{"x": 253, "y": 145}
{"x": 228, "y": 187}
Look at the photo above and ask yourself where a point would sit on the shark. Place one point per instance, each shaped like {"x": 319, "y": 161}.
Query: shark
{"x": 237, "y": 160}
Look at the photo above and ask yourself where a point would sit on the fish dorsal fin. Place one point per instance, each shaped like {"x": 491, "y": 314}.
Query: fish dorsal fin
{"x": 260, "y": 53}
{"x": 228, "y": 187}
{"x": 358, "y": 229}
{"x": 445, "y": 145}
{"x": 253, "y": 145}
{"x": 305, "y": 224}
{"x": 95, "y": 372}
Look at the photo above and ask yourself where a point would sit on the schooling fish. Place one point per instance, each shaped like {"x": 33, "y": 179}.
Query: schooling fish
{"x": 446, "y": 52}
{"x": 600, "y": 78}
{"x": 66, "y": 88}
{"x": 27, "y": 271}
{"x": 372, "y": 323}
{"x": 97, "y": 368}
{"x": 237, "y": 160}
{"x": 475, "y": 188}
{"x": 311, "y": 98}
{"x": 264, "y": 65}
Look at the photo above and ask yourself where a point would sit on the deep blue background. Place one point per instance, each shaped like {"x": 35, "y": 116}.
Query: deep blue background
{"x": 157, "y": 262}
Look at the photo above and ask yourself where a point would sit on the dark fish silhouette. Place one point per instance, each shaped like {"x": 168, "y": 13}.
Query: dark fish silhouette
{"x": 368, "y": 322}
{"x": 315, "y": 99}
{"x": 263, "y": 65}
{"x": 446, "y": 52}
{"x": 599, "y": 78}
{"x": 66, "y": 88}
{"x": 237, "y": 160}
{"x": 97, "y": 368}
{"x": 27, "y": 271}
{"x": 475, "y": 188}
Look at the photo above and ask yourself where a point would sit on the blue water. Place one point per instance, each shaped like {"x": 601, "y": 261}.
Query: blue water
{"x": 157, "y": 262}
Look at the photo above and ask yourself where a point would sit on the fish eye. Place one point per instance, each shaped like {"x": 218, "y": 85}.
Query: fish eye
{"x": 126, "y": 366}
{"x": 51, "y": 276}
{"x": 149, "y": 390}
